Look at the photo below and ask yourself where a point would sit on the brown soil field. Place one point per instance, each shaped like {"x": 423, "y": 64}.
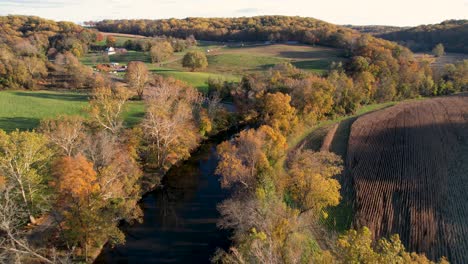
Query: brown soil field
{"x": 408, "y": 165}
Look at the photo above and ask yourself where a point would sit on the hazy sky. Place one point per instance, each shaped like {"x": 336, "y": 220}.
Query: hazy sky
{"x": 358, "y": 12}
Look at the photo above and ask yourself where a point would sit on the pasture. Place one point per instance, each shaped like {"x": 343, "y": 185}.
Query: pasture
{"x": 23, "y": 110}
{"x": 408, "y": 167}
{"x": 228, "y": 61}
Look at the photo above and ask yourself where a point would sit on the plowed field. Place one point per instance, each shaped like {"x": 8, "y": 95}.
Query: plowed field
{"x": 409, "y": 169}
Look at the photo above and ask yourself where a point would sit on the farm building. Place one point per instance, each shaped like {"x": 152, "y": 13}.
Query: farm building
{"x": 110, "y": 51}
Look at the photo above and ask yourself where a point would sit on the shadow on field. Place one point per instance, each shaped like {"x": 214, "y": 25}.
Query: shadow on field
{"x": 312, "y": 64}
{"x": 56, "y": 96}
{"x": 22, "y": 123}
{"x": 133, "y": 119}
{"x": 306, "y": 54}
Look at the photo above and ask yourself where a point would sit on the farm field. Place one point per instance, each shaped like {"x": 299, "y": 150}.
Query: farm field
{"x": 23, "y": 110}
{"x": 408, "y": 165}
{"x": 237, "y": 59}
{"x": 228, "y": 62}
{"x": 439, "y": 62}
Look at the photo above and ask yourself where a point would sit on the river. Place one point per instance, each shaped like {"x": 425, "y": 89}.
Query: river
{"x": 179, "y": 222}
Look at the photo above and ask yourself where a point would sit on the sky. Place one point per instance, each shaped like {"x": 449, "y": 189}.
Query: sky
{"x": 356, "y": 12}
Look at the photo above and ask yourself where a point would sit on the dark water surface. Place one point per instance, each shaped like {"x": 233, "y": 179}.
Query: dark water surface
{"x": 179, "y": 217}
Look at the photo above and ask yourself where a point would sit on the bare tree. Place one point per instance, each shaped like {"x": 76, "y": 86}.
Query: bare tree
{"x": 137, "y": 77}
{"x": 66, "y": 132}
{"x": 107, "y": 107}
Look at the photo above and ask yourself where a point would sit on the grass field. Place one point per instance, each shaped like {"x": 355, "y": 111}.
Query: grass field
{"x": 23, "y": 110}
{"x": 230, "y": 61}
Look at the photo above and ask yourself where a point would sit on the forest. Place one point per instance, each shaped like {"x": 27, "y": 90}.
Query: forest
{"x": 451, "y": 33}
{"x": 80, "y": 176}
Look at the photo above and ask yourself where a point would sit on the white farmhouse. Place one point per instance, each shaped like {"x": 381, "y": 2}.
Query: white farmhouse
{"x": 110, "y": 51}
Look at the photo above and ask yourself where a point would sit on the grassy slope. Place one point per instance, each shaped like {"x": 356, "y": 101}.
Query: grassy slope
{"x": 23, "y": 110}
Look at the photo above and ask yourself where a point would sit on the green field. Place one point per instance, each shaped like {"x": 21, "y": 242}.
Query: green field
{"x": 23, "y": 110}
{"x": 230, "y": 61}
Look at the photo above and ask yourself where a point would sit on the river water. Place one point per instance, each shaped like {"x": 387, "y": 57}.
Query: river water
{"x": 179, "y": 223}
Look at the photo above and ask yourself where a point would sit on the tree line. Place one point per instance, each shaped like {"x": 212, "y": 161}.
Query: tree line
{"x": 453, "y": 34}
{"x": 29, "y": 45}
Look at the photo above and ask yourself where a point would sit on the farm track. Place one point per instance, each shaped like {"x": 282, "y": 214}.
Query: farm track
{"x": 409, "y": 169}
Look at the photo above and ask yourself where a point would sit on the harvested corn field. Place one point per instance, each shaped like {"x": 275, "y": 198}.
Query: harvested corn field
{"x": 409, "y": 167}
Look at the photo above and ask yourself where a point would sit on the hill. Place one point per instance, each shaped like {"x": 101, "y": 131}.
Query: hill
{"x": 409, "y": 171}
{"x": 453, "y": 34}
{"x": 375, "y": 29}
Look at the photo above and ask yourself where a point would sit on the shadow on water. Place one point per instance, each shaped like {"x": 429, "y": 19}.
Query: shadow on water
{"x": 179, "y": 223}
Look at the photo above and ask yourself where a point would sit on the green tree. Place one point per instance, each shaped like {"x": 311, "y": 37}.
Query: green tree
{"x": 195, "y": 60}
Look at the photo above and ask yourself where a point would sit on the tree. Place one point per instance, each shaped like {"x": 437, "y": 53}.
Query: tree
{"x": 161, "y": 51}
{"x": 356, "y": 246}
{"x": 76, "y": 177}
{"x": 137, "y": 77}
{"x": 13, "y": 244}
{"x": 252, "y": 153}
{"x": 110, "y": 41}
{"x": 438, "y": 50}
{"x": 278, "y": 113}
{"x": 35, "y": 66}
{"x": 171, "y": 131}
{"x": 77, "y": 188}
{"x": 66, "y": 132}
{"x": 107, "y": 105}
{"x": 195, "y": 60}
{"x": 23, "y": 159}
{"x": 312, "y": 97}
{"x": 311, "y": 180}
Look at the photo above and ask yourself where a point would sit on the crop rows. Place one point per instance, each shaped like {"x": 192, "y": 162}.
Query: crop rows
{"x": 409, "y": 168}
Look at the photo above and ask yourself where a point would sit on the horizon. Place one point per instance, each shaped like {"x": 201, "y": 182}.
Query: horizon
{"x": 399, "y": 13}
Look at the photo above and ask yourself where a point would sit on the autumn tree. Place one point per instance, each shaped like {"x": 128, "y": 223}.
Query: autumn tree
{"x": 438, "y": 50}
{"x": 79, "y": 75}
{"x": 107, "y": 106}
{"x": 195, "y": 60}
{"x": 137, "y": 77}
{"x": 312, "y": 97}
{"x": 244, "y": 158}
{"x": 110, "y": 41}
{"x": 312, "y": 185}
{"x": 161, "y": 51}
{"x": 77, "y": 187}
{"x": 347, "y": 96}
{"x": 169, "y": 124}
{"x": 23, "y": 159}
{"x": 278, "y": 113}
{"x": 356, "y": 246}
